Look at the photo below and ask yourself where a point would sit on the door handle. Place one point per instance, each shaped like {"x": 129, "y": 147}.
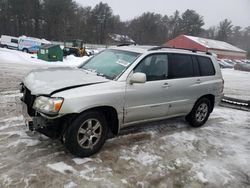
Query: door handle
{"x": 166, "y": 85}
{"x": 198, "y": 81}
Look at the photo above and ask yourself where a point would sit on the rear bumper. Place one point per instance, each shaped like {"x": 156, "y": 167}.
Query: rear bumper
{"x": 218, "y": 99}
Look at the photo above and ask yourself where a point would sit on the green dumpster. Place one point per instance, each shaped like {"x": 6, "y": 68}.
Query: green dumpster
{"x": 50, "y": 52}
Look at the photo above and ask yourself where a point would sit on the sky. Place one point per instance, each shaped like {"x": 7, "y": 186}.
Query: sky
{"x": 213, "y": 11}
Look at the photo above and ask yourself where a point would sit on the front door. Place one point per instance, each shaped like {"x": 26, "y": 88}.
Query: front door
{"x": 148, "y": 100}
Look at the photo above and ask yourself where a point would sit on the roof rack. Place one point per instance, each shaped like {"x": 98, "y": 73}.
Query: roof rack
{"x": 192, "y": 50}
{"x": 126, "y": 44}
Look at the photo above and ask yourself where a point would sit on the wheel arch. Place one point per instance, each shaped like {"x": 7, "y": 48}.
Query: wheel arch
{"x": 108, "y": 111}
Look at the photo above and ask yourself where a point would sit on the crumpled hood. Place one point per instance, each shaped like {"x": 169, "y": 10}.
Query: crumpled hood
{"x": 47, "y": 81}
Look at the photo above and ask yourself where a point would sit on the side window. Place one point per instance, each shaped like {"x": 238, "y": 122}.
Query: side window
{"x": 180, "y": 66}
{"x": 14, "y": 41}
{"x": 206, "y": 66}
{"x": 154, "y": 66}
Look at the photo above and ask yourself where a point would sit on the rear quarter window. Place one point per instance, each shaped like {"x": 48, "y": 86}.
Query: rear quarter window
{"x": 206, "y": 66}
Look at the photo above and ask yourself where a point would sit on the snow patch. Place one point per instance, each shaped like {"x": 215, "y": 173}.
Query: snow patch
{"x": 214, "y": 44}
{"x": 28, "y": 142}
{"x": 6, "y": 180}
{"x": 61, "y": 167}
{"x": 18, "y": 57}
{"x": 89, "y": 175}
{"x": 145, "y": 158}
{"x": 236, "y": 83}
{"x": 80, "y": 161}
{"x": 184, "y": 135}
{"x": 26, "y": 180}
{"x": 124, "y": 181}
{"x": 200, "y": 177}
{"x": 16, "y": 118}
{"x": 70, "y": 185}
{"x": 213, "y": 171}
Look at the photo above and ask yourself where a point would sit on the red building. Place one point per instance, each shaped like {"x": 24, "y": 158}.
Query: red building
{"x": 223, "y": 50}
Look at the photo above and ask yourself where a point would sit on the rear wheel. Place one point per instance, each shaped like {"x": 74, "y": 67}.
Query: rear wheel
{"x": 87, "y": 134}
{"x": 200, "y": 113}
{"x": 25, "y": 50}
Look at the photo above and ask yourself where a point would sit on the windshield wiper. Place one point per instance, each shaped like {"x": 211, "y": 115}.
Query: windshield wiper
{"x": 103, "y": 75}
{"x": 89, "y": 70}
{"x": 97, "y": 73}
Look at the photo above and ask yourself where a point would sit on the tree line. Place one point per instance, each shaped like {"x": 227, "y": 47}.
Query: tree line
{"x": 63, "y": 20}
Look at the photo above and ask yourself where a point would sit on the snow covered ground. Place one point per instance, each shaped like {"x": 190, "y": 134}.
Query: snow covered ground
{"x": 18, "y": 57}
{"x": 237, "y": 83}
{"x": 162, "y": 154}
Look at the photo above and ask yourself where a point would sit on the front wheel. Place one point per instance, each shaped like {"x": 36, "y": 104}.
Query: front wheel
{"x": 87, "y": 134}
{"x": 200, "y": 113}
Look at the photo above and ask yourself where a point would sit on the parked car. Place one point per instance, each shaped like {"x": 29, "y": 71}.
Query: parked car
{"x": 246, "y": 61}
{"x": 242, "y": 67}
{"x": 120, "y": 87}
{"x": 224, "y": 64}
{"x": 30, "y": 44}
{"x": 229, "y": 61}
{"x": 239, "y": 61}
{"x": 9, "y": 42}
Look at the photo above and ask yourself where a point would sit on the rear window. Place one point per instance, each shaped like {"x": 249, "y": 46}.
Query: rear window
{"x": 180, "y": 66}
{"x": 206, "y": 66}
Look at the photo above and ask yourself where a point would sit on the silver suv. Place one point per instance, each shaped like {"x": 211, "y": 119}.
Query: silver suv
{"x": 120, "y": 87}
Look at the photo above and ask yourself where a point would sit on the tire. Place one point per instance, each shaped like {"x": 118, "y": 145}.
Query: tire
{"x": 200, "y": 113}
{"x": 25, "y": 50}
{"x": 87, "y": 128}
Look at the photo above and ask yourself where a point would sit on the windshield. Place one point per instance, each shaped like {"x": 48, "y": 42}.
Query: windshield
{"x": 110, "y": 63}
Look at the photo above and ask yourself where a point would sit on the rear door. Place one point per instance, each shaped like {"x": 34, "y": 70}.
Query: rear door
{"x": 183, "y": 81}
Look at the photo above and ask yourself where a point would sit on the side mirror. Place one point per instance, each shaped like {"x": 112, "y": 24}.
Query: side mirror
{"x": 138, "y": 77}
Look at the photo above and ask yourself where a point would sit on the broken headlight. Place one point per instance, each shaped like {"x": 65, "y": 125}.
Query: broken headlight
{"x": 48, "y": 105}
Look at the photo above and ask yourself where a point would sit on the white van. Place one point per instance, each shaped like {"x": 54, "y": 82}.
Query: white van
{"x": 9, "y": 42}
{"x": 30, "y": 44}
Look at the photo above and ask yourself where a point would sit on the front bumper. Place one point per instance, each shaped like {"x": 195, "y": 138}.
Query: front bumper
{"x": 31, "y": 122}
{"x": 49, "y": 126}
{"x": 25, "y": 114}
{"x": 52, "y": 128}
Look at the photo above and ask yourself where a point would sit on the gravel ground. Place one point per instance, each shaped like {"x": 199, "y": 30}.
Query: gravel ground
{"x": 162, "y": 154}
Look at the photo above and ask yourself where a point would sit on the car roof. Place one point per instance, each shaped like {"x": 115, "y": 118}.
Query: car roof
{"x": 147, "y": 48}
{"x": 132, "y": 48}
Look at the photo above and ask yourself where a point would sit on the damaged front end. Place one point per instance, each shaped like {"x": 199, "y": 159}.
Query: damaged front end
{"x": 50, "y": 125}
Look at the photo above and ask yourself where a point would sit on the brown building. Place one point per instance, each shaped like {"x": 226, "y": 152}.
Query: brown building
{"x": 222, "y": 49}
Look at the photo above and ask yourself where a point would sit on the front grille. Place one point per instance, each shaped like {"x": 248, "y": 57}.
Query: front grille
{"x": 29, "y": 99}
